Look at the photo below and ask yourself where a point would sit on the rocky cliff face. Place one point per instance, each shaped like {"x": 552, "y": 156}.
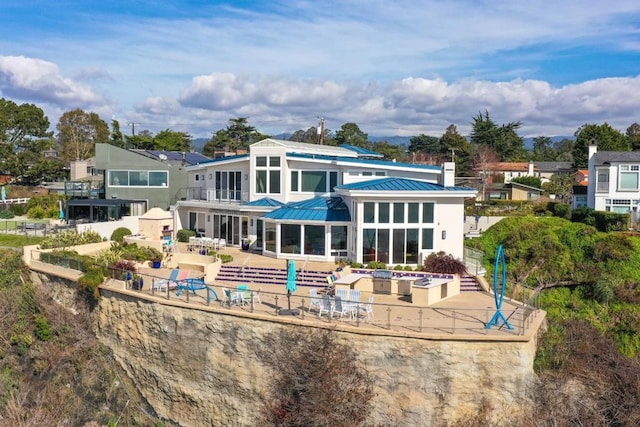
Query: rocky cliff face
{"x": 200, "y": 368}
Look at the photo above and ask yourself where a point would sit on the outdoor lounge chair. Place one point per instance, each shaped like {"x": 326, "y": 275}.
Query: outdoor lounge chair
{"x": 315, "y": 299}
{"x": 162, "y": 284}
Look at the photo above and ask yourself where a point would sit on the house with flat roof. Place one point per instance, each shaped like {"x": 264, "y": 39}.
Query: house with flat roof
{"x": 614, "y": 181}
{"x": 294, "y": 200}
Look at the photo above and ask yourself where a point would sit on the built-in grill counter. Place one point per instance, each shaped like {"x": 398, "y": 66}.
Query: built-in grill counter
{"x": 383, "y": 282}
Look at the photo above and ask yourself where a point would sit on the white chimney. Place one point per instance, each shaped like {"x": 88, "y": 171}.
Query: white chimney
{"x": 448, "y": 178}
{"x": 593, "y": 147}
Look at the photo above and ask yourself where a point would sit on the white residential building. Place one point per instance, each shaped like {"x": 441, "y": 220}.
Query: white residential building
{"x": 303, "y": 201}
{"x": 614, "y": 180}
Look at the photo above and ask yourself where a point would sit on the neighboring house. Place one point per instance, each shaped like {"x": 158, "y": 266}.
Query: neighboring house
{"x": 545, "y": 170}
{"x": 512, "y": 191}
{"x": 134, "y": 182}
{"x": 303, "y": 201}
{"x": 614, "y": 183}
{"x": 582, "y": 177}
{"x": 512, "y": 170}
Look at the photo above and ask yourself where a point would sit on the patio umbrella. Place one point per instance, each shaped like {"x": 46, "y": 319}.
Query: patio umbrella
{"x": 291, "y": 285}
{"x": 4, "y": 195}
{"x": 61, "y": 210}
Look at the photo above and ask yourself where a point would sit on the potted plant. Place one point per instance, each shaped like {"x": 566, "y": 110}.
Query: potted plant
{"x": 156, "y": 262}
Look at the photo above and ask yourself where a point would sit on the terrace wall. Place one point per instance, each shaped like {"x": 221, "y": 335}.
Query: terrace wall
{"x": 199, "y": 367}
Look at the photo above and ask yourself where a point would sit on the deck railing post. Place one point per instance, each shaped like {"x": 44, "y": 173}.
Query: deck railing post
{"x": 420, "y": 320}
{"x": 277, "y": 305}
{"x": 302, "y": 310}
{"x": 388, "y": 317}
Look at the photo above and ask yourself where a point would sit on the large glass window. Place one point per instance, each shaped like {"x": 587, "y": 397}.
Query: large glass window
{"x": 383, "y": 246}
{"x": 339, "y": 240}
{"x": 333, "y": 180}
{"x": 274, "y": 162}
{"x": 158, "y": 179}
{"x": 398, "y": 213}
{"x": 294, "y": 180}
{"x": 261, "y": 161}
{"x": 427, "y": 238}
{"x": 314, "y": 238}
{"x": 413, "y": 213}
{"x": 628, "y": 178}
{"x": 412, "y": 246}
{"x": 383, "y": 213}
{"x": 270, "y": 236}
{"x": 398, "y": 246}
{"x": 290, "y": 238}
{"x": 119, "y": 178}
{"x": 138, "y": 178}
{"x": 603, "y": 181}
{"x": 369, "y": 212}
{"x": 427, "y": 213}
{"x": 314, "y": 181}
{"x": 261, "y": 181}
{"x": 274, "y": 181}
{"x": 368, "y": 245}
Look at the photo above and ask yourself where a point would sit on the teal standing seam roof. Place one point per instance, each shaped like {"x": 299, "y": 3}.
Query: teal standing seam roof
{"x": 362, "y": 151}
{"x": 399, "y": 184}
{"x": 264, "y": 202}
{"x": 327, "y": 209}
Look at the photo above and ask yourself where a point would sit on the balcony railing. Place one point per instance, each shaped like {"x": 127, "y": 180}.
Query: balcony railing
{"x": 213, "y": 195}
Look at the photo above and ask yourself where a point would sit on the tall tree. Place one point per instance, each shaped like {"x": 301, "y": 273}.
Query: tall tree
{"x": 170, "y": 140}
{"x": 20, "y": 127}
{"x": 115, "y": 137}
{"x": 564, "y": 150}
{"x": 606, "y": 137}
{"x": 560, "y": 184}
{"x": 351, "y": 134}
{"x": 633, "y": 136}
{"x": 237, "y": 135}
{"x": 389, "y": 151}
{"x": 483, "y": 157}
{"x": 425, "y": 143}
{"x": 503, "y": 139}
{"x": 79, "y": 132}
{"x": 542, "y": 149}
{"x": 456, "y": 147}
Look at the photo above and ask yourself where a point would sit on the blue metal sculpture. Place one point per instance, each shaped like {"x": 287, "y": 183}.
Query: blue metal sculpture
{"x": 499, "y": 287}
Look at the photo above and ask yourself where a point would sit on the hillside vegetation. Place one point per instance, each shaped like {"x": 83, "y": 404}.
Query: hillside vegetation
{"x": 52, "y": 369}
{"x": 588, "y": 360}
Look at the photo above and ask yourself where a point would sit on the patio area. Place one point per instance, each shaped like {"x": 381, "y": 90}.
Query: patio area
{"x": 461, "y": 317}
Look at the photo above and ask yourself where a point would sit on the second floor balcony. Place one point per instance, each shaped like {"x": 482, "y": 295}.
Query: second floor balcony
{"x": 213, "y": 195}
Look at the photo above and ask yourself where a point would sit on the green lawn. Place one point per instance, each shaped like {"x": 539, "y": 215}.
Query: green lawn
{"x": 19, "y": 240}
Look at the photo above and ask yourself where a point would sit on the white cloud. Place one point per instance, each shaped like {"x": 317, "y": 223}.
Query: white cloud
{"x": 37, "y": 80}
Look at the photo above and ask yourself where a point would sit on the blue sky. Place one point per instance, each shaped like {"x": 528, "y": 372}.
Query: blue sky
{"x": 393, "y": 67}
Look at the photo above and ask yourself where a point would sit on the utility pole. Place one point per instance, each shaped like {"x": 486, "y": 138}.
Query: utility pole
{"x": 133, "y": 127}
{"x": 453, "y": 154}
{"x": 321, "y": 130}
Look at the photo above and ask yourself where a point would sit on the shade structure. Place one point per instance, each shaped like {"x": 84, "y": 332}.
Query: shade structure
{"x": 291, "y": 276}
{"x": 291, "y": 287}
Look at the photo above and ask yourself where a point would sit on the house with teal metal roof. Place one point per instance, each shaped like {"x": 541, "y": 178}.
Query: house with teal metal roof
{"x": 292, "y": 200}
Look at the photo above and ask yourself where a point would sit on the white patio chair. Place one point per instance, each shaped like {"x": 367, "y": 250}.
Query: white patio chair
{"x": 343, "y": 307}
{"x": 222, "y": 243}
{"x": 315, "y": 299}
{"x": 368, "y": 309}
{"x": 342, "y": 293}
{"x": 326, "y": 306}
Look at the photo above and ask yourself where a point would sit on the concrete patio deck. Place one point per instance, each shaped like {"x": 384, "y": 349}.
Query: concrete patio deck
{"x": 460, "y": 317}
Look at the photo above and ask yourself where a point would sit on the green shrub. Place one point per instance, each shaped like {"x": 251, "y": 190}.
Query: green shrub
{"x": 6, "y": 214}
{"x": 36, "y": 212}
{"x": 18, "y": 209}
{"x": 119, "y": 234}
{"x": 225, "y": 258}
{"x": 398, "y": 267}
{"x": 408, "y": 268}
{"x": 70, "y": 238}
{"x": 90, "y": 281}
{"x": 183, "y": 235}
{"x": 43, "y": 329}
{"x": 377, "y": 265}
{"x": 531, "y": 181}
